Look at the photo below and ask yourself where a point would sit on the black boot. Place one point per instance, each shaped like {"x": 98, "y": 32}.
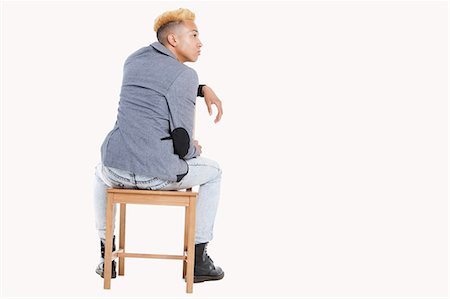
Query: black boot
{"x": 204, "y": 268}
{"x": 100, "y": 267}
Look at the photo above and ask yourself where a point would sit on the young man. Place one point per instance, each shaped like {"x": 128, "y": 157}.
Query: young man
{"x": 151, "y": 145}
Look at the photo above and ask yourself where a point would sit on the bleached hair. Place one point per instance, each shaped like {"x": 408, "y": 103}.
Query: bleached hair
{"x": 169, "y": 19}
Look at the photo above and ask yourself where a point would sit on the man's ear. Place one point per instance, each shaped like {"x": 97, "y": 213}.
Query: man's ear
{"x": 171, "y": 39}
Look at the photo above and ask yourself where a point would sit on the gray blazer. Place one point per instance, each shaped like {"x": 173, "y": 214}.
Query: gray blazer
{"x": 153, "y": 132}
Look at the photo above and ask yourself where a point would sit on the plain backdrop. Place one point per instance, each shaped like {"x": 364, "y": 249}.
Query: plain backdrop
{"x": 333, "y": 145}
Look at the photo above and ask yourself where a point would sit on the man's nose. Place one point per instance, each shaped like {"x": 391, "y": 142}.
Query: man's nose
{"x": 200, "y": 44}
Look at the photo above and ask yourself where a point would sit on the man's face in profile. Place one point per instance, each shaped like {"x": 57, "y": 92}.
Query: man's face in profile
{"x": 188, "y": 42}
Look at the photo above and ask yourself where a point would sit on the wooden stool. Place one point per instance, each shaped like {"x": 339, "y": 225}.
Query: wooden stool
{"x": 149, "y": 197}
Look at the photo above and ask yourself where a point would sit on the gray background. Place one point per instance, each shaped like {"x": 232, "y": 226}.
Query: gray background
{"x": 334, "y": 147}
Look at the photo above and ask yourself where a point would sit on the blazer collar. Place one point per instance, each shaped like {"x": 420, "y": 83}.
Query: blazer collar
{"x": 161, "y": 48}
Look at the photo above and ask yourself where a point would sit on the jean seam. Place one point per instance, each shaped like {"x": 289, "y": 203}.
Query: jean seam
{"x": 116, "y": 176}
{"x": 159, "y": 186}
{"x": 147, "y": 181}
{"x": 133, "y": 176}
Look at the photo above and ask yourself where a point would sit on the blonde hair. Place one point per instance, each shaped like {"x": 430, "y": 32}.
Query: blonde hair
{"x": 178, "y": 15}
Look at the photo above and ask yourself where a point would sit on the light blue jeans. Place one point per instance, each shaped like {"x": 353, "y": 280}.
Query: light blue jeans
{"x": 202, "y": 171}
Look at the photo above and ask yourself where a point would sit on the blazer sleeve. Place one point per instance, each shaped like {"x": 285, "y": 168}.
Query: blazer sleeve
{"x": 181, "y": 98}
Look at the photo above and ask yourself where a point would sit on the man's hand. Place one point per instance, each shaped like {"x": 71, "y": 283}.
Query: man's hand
{"x": 212, "y": 99}
{"x": 198, "y": 146}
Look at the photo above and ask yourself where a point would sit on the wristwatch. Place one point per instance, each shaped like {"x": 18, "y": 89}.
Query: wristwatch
{"x": 200, "y": 91}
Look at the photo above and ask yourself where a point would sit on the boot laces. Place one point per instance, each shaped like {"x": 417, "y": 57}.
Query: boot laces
{"x": 206, "y": 254}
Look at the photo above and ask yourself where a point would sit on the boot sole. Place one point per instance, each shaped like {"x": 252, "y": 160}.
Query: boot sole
{"x": 113, "y": 271}
{"x": 198, "y": 279}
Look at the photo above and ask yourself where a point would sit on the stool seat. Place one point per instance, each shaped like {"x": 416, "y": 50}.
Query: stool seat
{"x": 123, "y": 197}
{"x": 152, "y": 192}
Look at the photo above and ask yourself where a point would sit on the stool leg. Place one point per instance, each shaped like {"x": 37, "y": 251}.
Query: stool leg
{"x": 123, "y": 212}
{"x": 109, "y": 238}
{"x": 186, "y": 229}
{"x": 191, "y": 246}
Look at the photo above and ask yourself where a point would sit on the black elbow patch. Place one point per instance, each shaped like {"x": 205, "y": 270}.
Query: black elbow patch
{"x": 180, "y": 139}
